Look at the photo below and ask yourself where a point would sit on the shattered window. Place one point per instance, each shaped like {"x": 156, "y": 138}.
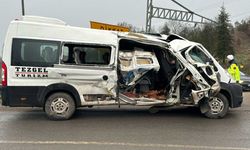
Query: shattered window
{"x": 199, "y": 56}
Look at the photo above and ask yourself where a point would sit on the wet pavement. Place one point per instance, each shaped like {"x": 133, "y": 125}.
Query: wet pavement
{"x": 126, "y": 128}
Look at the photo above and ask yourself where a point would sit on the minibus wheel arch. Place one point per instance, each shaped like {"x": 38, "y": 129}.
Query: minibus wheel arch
{"x": 60, "y": 87}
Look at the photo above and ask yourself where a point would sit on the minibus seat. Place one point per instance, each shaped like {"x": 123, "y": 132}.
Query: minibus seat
{"x": 80, "y": 56}
{"x": 48, "y": 54}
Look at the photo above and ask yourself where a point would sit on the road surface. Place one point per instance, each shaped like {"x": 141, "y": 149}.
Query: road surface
{"x": 110, "y": 128}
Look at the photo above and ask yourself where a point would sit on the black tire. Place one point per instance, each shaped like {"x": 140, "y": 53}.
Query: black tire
{"x": 60, "y": 106}
{"x": 218, "y": 107}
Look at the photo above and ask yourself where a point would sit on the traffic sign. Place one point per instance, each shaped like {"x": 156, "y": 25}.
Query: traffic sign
{"x": 104, "y": 26}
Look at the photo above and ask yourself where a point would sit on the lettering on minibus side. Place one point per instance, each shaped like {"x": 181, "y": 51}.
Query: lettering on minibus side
{"x": 31, "y": 72}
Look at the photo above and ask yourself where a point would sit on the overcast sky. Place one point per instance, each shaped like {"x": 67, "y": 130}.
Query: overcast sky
{"x": 80, "y": 12}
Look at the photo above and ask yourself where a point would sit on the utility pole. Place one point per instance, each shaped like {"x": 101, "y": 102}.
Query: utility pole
{"x": 23, "y": 9}
{"x": 149, "y": 15}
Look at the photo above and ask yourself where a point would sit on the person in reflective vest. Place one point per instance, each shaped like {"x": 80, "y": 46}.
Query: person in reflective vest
{"x": 233, "y": 69}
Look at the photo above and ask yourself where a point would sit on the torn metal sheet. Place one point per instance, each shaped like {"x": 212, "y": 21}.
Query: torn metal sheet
{"x": 136, "y": 63}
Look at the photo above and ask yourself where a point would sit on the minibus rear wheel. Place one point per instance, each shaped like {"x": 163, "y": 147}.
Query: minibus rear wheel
{"x": 60, "y": 106}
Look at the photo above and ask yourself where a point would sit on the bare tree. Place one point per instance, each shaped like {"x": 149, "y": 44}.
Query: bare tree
{"x": 131, "y": 27}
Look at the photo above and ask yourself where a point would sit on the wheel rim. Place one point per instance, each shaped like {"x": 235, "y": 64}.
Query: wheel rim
{"x": 216, "y": 105}
{"x": 59, "y": 105}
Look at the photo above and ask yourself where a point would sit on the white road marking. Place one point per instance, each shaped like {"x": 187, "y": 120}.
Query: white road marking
{"x": 124, "y": 144}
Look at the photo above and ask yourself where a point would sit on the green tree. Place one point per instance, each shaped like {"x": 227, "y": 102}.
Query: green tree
{"x": 203, "y": 34}
{"x": 206, "y": 37}
{"x": 224, "y": 37}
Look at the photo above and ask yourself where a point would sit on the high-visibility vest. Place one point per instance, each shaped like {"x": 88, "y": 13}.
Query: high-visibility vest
{"x": 234, "y": 71}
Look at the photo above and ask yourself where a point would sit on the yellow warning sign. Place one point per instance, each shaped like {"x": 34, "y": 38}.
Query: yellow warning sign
{"x": 104, "y": 26}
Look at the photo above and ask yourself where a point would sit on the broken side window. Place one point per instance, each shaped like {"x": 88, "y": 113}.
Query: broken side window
{"x": 198, "y": 55}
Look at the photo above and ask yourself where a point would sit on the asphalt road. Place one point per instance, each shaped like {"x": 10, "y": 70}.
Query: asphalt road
{"x": 110, "y": 128}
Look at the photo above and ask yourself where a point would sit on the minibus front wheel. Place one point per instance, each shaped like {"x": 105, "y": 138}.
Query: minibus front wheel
{"x": 217, "y": 106}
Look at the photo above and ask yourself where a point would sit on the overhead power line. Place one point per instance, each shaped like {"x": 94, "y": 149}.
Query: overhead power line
{"x": 171, "y": 14}
{"x": 182, "y": 6}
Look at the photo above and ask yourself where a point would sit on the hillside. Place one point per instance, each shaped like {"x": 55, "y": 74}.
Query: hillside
{"x": 242, "y": 49}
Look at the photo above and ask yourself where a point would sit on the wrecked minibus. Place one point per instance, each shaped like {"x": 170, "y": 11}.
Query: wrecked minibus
{"x": 49, "y": 64}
